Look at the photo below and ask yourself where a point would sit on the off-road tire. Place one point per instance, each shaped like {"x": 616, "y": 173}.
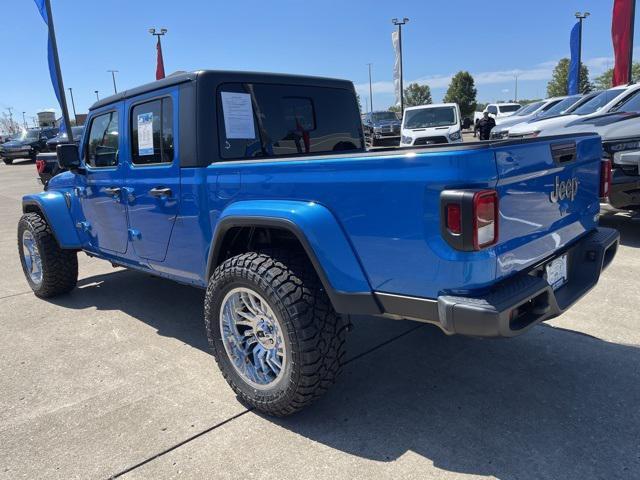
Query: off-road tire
{"x": 313, "y": 332}
{"x": 59, "y": 267}
{"x": 7, "y": 161}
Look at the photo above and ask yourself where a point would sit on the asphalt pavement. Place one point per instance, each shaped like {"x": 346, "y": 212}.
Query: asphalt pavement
{"x": 116, "y": 380}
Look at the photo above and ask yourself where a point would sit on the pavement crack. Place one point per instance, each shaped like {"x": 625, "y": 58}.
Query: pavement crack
{"x": 244, "y": 412}
{"x": 15, "y": 294}
{"x": 178, "y": 445}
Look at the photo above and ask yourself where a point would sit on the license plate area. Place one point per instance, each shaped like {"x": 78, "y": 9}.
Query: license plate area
{"x": 556, "y": 271}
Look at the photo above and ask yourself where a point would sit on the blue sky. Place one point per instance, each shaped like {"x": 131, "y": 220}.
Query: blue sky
{"x": 491, "y": 39}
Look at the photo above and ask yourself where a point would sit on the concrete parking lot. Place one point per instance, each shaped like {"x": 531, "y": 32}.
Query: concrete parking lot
{"x": 116, "y": 380}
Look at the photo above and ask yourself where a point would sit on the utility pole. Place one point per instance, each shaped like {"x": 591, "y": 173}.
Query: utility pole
{"x": 399, "y": 24}
{"x": 370, "y": 89}
{"x": 73, "y": 105}
{"x": 516, "y": 92}
{"x": 97, "y": 96}
{"x": 581, "y": 17}
{"x": 113, "y": 77}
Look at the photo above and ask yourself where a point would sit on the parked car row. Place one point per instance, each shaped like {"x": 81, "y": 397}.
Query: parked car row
{"x": 28, "y": 143}
{"x": 614, "y": 114}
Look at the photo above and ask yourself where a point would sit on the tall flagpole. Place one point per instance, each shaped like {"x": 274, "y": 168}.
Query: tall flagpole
{"x": 56, "y": 61}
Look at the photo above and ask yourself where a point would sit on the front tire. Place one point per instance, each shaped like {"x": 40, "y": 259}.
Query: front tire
{"x": 275, "y": 336}
{"x": 49, "y": 270}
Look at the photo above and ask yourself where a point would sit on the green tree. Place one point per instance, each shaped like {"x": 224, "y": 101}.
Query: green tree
{"x": 462, "y": 91}
{"x": 605, "y": 80}
{"x": 416, "y": 94}
{"x": 558, "y": 85}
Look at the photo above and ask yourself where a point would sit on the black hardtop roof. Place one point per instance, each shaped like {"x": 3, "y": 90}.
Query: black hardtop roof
{"x": 224, "y": 76}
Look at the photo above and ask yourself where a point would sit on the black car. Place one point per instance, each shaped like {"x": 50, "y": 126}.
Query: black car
{"x": 62, "y": 137}
{"x": 26, "y": 144}
{"x": 381, "y": 128}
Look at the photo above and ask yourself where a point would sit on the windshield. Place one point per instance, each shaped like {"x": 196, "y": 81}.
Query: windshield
{"x": 77, "y": 132}
{"x": 430, "y": 117}
{"x": 527, "y": 109}
{"x": 599, "y": 101}
{"x": 560, "y": 107}
{"x": 508, "y": 108}
{"x": 631, "y": 104}
{"x": 381, "y": 116}
{"x": 26, "y": 135}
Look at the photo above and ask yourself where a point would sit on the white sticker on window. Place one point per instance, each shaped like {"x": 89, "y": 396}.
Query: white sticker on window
{"x": 238, "y": 115}
{"x": 145, "y": 134}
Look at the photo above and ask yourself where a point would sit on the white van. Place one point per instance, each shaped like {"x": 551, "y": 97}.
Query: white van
{"x": 430, "y": 124}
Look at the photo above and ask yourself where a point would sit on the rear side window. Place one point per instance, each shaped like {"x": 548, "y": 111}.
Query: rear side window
{"x": 492, "y": 109}
{"x": 102, "y": 146}
{"x": 266, "y": 120}
{"x": 152, "y": 132}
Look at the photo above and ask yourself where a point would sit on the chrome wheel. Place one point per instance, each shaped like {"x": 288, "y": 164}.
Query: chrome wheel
{"x": 252, "y": 337}
{"x": 31, "y": 255}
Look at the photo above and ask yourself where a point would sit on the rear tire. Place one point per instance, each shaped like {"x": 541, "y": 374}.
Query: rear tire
{"x": 49, "y": 270}
{"x": 7, "y": 161}
{"x": 307, "y": 330}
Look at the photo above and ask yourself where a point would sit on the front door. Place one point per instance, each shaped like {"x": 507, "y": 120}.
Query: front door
{"x": 101, "y": 192}
{"x": 153, "y": 176}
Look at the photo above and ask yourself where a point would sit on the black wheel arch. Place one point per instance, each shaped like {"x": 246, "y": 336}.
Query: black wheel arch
{"x": 361, "y": 303}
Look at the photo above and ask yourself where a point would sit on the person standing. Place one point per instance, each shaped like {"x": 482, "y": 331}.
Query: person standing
{"x": 485, "y": 125}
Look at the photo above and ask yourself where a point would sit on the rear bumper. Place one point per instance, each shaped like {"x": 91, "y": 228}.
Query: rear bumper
{"x": 625, "y": 190}
{"x": 518, "y": 303}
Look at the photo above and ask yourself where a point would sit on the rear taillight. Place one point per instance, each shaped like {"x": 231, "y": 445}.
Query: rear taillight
{"x": 454, "y": 218}
{"x": 605, "y": 178}
{"x": 485, "y": 219}
{"x": 469, "y": 218}
{"x": 40, "y": 166}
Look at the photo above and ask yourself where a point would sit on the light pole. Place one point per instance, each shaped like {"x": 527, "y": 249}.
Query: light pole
{"x": 113, "y": 77}
{"x": 370, "y": 89}
{"x": 24, "y": 120}
{"x": 399, "y": 24}
{"x": 160, "y": 64}
{"x": 97, "y": 96}
{"x": 516, "y": 92}
{"x": 73, "y": 105}
{"x": 580, "y": 17}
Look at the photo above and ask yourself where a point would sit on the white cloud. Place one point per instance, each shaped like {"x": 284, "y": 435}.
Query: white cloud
{"x": 541, "y": 71}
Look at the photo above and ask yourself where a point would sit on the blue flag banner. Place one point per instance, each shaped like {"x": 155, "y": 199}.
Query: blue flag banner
{"x": 573, "y": 81}
{"x": 52, "y": 66}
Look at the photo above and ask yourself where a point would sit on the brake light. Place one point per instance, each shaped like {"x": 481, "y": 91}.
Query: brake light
{"x": 605, "y": 178}
{"x": 485, "y": 219}
{"x": 454, "y": 218}
{"x": 40, "y": 166}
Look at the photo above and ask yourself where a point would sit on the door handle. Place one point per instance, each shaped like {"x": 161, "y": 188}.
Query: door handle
{"x": 113, "y": 191}
{"x": 160, "y": 192}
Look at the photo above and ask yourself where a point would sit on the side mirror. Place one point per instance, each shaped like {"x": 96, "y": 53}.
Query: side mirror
{"x": 68, "y": 156}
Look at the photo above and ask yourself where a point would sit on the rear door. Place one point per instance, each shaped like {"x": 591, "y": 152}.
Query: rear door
{"x": 153, "y": 175}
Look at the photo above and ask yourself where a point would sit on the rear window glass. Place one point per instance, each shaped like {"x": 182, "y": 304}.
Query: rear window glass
{"x": 266, "y": 120}
{"x": 509, "y": 108}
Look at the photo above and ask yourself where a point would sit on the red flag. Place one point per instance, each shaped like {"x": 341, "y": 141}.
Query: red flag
{"x": 160, "y": 62}
{"x": 622, "y": 37}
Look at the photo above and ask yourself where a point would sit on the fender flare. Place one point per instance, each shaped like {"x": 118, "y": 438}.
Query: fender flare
{"x": 322, "y": 238}
{"x": 55, "y": 207}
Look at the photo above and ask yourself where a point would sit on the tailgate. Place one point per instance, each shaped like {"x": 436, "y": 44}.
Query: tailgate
{"x": 549, "y": 196}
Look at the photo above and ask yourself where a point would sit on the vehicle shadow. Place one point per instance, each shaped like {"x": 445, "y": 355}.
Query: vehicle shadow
{"x": 174, "y": 310}
{"x": 628, "y": 223}
{"x": 551, "y": 404}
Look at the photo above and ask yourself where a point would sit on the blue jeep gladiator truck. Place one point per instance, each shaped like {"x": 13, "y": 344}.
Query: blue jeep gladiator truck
{"x": 259, "y": 189}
